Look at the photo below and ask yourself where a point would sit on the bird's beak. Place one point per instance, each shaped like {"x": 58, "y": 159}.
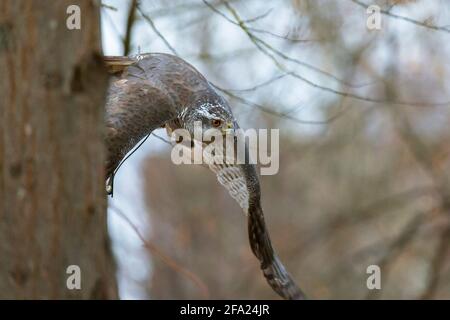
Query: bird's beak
{"x": 228, "y": 128}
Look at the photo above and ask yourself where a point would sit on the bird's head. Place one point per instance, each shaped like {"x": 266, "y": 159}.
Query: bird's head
{"x": 211, "y": 115}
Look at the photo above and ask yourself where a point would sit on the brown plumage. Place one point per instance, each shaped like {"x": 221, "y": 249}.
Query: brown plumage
{"x": 154, "y": 90}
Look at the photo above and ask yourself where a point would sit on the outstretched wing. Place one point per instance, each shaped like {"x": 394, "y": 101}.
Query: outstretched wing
{"x": 146, "y": 91}
{"x": 241, "y": 181}
{"x": 137, "y": 103}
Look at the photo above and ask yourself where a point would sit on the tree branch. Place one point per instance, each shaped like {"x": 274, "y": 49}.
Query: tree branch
{"x": 395, "y": 16}
{"x": 129, "y": 27}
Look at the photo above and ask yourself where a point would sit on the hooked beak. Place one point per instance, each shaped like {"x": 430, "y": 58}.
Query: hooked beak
{"x": 228, "y": 128}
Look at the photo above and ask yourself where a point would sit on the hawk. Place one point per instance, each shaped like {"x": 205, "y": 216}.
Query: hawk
{"x": 154, "y": 90}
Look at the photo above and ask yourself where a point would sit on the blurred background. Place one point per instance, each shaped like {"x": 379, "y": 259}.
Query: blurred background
{"x": 364, "y": 149}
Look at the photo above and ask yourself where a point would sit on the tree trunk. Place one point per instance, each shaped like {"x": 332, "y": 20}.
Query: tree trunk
{"x": 52, "y": 195}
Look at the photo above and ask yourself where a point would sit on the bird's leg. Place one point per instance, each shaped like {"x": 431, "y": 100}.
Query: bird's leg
{"x": 110, "y": 185}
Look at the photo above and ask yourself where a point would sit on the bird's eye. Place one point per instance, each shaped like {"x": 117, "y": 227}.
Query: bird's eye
{"x": 216, "y": 122}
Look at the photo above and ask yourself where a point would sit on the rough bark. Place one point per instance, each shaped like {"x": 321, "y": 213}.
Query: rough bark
{"x": 52, "y": 197}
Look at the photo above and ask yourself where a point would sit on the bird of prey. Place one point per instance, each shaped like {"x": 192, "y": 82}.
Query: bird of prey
{"x": 154, "y": 90}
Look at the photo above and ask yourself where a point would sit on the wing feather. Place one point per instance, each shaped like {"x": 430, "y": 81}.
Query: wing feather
{"x": 231, "y": 178}
{"x": 242, "y": 184}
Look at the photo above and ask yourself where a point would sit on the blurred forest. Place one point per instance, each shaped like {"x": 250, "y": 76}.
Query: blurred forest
{"x": 364, "y": 151}
{"x": 364, "y": 176}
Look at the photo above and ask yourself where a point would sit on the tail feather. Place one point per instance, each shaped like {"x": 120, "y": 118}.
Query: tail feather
{"x": 281, "y": 281}
{"x": 274, "y": 271}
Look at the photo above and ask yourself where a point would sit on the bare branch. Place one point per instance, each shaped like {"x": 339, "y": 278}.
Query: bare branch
{"x": 255, "y": 30}
{"x": 107, "y": 6}
{"x": 166, "y": 259}
{"x": 395, "y": 16}
{"x": 257, "y": 42}
{"x": 258, "y": 86}
{"x": 162, "y": 139}
{"x": 275, "y": 113}
{"x": 129, "y": 27}
{"x": 159, "y": 34}
{"x": 259, "y": 17}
